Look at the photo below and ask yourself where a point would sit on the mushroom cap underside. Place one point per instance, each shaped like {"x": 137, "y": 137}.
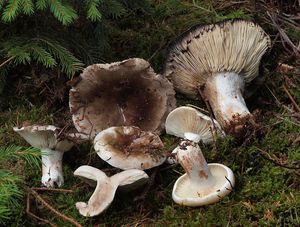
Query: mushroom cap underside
{"x": 44, "y": 136}
{"x": 189, "y": 193}
{"x": 128, "y": 147}
{"x": 135, "y": 177}
{"x": 120, "y": 94}
{"x": 204, "y": 50}
{"x": 187, "y": 122}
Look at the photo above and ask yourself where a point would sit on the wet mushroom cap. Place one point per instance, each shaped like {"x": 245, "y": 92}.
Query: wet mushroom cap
{"x": 120, "y": 94}
{"x": 128, "y": 147}
{"x": 187, "y": 122}
{"x": 204, "y": 50}
{"x": 188, "y": 194}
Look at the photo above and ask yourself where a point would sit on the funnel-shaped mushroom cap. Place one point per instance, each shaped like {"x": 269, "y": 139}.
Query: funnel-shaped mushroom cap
{"x": 120, "y": 94}
{"x": 128, "y": 147}
{"x": 199, "y": 53}
{"x": 189, "y": 123}
{"x": 202, "y": 184}
{"x": 106, "y": 187}
{"x": 44, "y": 137}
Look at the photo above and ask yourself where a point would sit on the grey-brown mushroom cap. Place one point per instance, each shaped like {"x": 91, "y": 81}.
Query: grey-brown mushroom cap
{"x": 204, "y": 50}
{"x": 120, "y": 94}
{"x": 128, "y": 147}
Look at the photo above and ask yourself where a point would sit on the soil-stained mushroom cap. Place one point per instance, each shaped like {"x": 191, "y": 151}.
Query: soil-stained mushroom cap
{"x": 128, "y": 147}
{"x": 188, "y": 123}
{"x": 120, "y": 94}
{"x": 215, "y": 62}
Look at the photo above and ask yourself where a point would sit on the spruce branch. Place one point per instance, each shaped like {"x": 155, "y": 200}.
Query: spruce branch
{"x": 30, "y": 155}
{"x": 11, "y": 10}
{"x": 27, "y": 7}
{"x": 67, "y": 61}
{"x": 93, "y": 12}
{"x": 41, "y": 4}
{"x": 10, "y": 194}
{"x": 64, "y": 13}
{"x": 44, "y": 57}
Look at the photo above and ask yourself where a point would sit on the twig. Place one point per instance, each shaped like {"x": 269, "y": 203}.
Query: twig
{"x": 266, "y": 156}
{"x": 291, "y": 98}
{"x": 34, "y": 216}
{"x": 53, "y": 190}
{"x": 199, "y": 108}
{"x": 149, "y": 185}
{"x": 284, "y": 36}
{"x": 47, "y": 205}
{"x": 6, "y": 61}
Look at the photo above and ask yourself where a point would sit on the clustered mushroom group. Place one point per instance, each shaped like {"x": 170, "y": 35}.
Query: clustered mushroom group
{"x": 124, "y": 106}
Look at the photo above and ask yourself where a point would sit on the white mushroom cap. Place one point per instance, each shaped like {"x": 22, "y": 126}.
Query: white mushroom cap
{"x": 188, "y": 123}
{"x": 135, "y": 177}
{"x": 128, "y": 147}
{"x": 202, "y": 184}
{"x": 106, "y": 187}
{"x": 53, "y": 143}
{"x": 120, "y": 94}
{"x": 44, "y": 137}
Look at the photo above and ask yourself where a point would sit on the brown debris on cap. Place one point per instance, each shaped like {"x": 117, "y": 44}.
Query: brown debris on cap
{"x": 120, "y": 94}
{"x": 128, "y": 147}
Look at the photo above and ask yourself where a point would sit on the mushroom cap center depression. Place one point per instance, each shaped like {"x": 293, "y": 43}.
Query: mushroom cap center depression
{"x": 122, "y": 98}
{"x": 133, "y": 142}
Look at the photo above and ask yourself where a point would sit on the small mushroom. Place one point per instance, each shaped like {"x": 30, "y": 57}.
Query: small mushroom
{"x": 128, "y": 147}
{"x": 120, "y": 94}
{"x": 106, "y": 187}
{"x": 215, "y": 62}
{"x": 52, "y": 147}
{"x": 188, "y": 123}
{"x": 203, "y": 183}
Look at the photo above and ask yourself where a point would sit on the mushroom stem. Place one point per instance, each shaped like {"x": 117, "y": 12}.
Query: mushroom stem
{"x": 192, "y": 160}
{"x": 224, "y": 91}
{"x": 52, "y": 167}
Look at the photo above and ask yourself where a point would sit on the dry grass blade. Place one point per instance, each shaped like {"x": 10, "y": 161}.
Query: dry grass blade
{"x": 291, "y": 98}
{"x": 268, "y": 157}
{"x": 53, "y": 190}
{"x": 48, "y": 206}
{"x": 45, "y": 221}
{"x": 284, "y": 36}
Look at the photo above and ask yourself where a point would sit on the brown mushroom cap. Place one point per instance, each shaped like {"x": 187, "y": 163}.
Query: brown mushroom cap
{"x": 120, "y": 94}
{"x": 128, "y": 147}
{"x": 202, "y": 51}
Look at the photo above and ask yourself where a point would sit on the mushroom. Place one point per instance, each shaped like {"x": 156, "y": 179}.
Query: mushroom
{"x": 128, "y": 147}
{"x": 106, "y": 187}
{"x": 203, "y": 183}
{"x": 188, "y": 123}
{"x": 120, "y": 94}
{"x": 52, "y": 145}
{"x": 215, "y": 62}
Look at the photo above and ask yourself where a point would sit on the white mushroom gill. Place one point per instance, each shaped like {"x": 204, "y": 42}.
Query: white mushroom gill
{"x": 202, "y": 184}
{"x": 215, "y": 61}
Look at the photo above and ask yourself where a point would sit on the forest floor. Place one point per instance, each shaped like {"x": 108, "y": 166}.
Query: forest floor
{"x": 266, "y": 167}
